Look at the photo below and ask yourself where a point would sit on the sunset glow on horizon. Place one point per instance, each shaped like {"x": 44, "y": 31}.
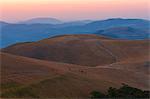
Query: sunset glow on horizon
{"x": 17, "y": 10}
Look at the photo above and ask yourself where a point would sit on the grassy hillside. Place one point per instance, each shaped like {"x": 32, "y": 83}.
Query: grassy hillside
{"x": 86, "y": 50}
{"x": 27, "y": 77}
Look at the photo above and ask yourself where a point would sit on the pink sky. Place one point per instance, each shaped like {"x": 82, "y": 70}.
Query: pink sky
{"x": 17, "y": 10}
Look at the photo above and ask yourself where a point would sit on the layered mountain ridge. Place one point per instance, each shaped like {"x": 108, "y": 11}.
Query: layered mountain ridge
{"x": 14, "y": 33}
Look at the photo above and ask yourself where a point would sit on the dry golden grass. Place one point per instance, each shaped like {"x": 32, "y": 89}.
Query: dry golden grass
{"x": 87, "y": 50}
{"x": 50, "y": 79}
{"x": 73, "y": 66}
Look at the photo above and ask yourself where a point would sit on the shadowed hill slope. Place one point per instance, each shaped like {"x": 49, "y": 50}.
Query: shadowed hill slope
{"x": 86, "y": 50}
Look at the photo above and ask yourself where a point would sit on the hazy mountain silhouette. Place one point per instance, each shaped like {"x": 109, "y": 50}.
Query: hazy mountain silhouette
{"x": 76, "y": 23}
{"x": 125, "y": 33}
{"x": 2, "y": 23}
{"x": 14, "y": 33}
{"x": 42, "y": 21}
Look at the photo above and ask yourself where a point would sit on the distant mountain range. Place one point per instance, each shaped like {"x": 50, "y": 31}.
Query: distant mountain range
{"x": 54, "y": 22}
{"x": 36, "y": 29}
{"x": 75, "y": 23}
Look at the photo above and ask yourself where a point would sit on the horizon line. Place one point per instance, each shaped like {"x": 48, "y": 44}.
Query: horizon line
{"x": 96, "y": 19}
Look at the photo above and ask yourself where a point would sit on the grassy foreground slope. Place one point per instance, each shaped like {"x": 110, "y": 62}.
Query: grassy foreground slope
{"x": 28, "y": 77}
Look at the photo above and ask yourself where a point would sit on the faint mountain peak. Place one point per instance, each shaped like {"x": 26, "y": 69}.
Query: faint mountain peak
{"x": 42, "y": 21}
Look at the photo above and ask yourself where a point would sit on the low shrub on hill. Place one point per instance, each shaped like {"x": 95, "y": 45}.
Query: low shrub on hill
{"x": 124, "y": 92}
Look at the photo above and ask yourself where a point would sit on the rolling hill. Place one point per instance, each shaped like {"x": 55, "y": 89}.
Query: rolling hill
{"x": 87, "y": 50}
{"x": 125, "y": 33}
{"x": 72, "y": 66}
{"x": 24, "y": 77}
